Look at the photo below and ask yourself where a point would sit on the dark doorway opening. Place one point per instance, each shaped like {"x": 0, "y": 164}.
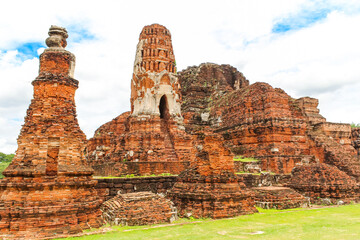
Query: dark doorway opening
{"x": 164, "y": 108}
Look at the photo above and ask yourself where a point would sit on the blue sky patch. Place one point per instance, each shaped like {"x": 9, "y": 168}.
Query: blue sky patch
{"x": 29, "y": 50}
{"x": 78, "y": 34}
{"x": 300, "y": 20}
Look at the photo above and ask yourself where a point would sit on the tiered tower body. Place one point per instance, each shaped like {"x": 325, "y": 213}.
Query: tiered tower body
{"x": 154, "y": 87}
{"x": 48, "y": 189}
{"x": 151, "y": 139}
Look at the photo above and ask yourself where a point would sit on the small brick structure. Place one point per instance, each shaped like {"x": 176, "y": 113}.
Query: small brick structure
{"x": 319, "y": 181}
{"x": 279, "y": 198}
{"x": 140, "y": 208}
{"x": 210, "y": 188}
{"x": 48, "y": 190}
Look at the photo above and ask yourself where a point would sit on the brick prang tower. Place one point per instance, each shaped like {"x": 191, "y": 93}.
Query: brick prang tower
{"x": 48, "y": 189}
{"x": 154, "y": 87}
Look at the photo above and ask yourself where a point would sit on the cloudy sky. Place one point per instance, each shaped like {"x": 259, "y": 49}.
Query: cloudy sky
{"x": 307, "y": 48}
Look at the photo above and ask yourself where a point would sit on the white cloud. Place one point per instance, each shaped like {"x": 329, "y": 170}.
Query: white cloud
{"x": 319, "y": 60}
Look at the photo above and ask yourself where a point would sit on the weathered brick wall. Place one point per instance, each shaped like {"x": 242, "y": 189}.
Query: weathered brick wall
{"x": 340, "y": 132}
{"x": 279, "y": 198}
{"x": 264, "y": 123}
{"x": 141, "y": 208}
{"x": 110, "y": 187}
{"x": 139, "y": 168}
{"x": 324, "y": 181}
{"x": 309, "y": 108}
{"x": 209, "y": 187}
{"x": 258, "y": 180}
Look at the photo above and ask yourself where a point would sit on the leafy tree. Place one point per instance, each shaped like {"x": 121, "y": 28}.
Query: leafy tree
{"x": 354, "y": 125}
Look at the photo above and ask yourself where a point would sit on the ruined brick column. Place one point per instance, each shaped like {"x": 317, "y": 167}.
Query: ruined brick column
{"x": 48, "y": 190}
{"x": 210, "y": 187}
{"x": 152, "y": 138}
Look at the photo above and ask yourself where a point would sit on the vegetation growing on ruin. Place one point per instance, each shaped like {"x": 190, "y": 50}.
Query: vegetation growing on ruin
{"x": 245, "y": 159}
{"x": 355, "y": 125}
{"x": 339, "y": 222}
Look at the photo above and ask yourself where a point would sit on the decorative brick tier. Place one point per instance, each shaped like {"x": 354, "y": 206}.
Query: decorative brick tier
{"x": 263, "y": 179}
{"x": 48, "y": 190}
{"x": 139, "y": 168}
{"x": 324, "y": 181}
{"x": 331, "y": 151}
{"x": 141, "y": 208}
{"x": 279, "y": 198}
{"x": 210, "y": 188}
{"x": 251, "y": 167}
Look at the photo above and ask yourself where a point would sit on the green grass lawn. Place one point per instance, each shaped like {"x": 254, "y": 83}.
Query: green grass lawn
{"x": 325, "y": 223}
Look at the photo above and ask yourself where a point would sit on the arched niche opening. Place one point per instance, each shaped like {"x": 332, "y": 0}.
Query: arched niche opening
{"x": 164, "y": 108}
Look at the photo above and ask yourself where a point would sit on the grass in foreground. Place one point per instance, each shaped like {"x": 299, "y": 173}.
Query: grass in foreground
{"x": 325, "y": 223}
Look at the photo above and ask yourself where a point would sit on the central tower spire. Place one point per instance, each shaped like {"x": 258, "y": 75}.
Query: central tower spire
{"x": 154, "y": 87}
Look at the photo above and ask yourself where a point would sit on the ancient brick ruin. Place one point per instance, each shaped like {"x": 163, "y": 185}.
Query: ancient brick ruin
{"x": 209, "y": 187}
{"x": 189, "y": 124}
{"x": 319, "y": 181}
{"x": 255, "y": 120}
{"x": 140, "y": 208}
{"x": 151, "y": 138}
{"x": 48, "y": 189}
{"x": 263, "y": 122}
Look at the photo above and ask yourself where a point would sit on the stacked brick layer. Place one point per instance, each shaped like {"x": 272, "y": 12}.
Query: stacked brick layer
{"x": 48, "y": 189}
{"x": 263, "y": 122}
{"x": 279, "y": 198}
{"x": 324, "y": 181}
{"x": 129, "y": 145}
{"x": 141, "y": 208}
{"x": 42, "y": 207}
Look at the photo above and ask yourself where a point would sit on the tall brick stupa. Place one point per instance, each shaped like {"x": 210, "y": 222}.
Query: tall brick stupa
{"x": 151, "y": 139}
{"x": 48, "y": 189}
